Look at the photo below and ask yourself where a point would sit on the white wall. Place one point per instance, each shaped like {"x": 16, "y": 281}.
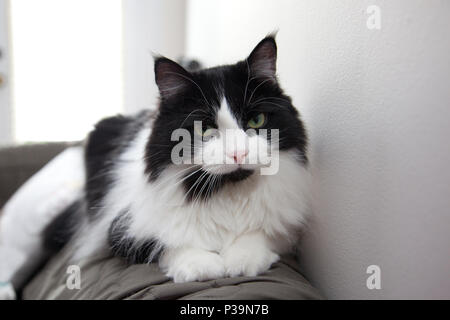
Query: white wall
{"x": 5, "y": 110}
{"x": 150, "y": 26}
{"x": 377, "y": 106}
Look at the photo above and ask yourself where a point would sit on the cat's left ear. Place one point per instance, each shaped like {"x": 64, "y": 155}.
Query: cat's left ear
{"x": 262, "y": 61}
{"x": 170, "y": 77}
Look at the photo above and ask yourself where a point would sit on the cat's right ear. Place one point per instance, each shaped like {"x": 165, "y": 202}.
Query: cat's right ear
{"x": 170, "y": 77}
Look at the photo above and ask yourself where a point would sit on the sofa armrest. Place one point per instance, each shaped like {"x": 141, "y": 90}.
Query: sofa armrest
{"x": 19, "y": 163}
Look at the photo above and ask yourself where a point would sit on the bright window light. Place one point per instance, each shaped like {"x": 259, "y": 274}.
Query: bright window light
{"x": 66, "y": 66}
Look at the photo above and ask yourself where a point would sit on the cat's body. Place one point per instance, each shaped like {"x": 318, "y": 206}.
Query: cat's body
{"x": 204, "y": 220}
{"x": 139, "y": 219}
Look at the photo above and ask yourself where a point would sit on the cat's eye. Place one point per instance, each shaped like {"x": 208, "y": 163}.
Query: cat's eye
{"x": 204, "y": 131}
{"x": 257, "y": 121}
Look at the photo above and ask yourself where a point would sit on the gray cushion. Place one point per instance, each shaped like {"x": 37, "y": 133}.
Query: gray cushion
{"x": 106, "y": 277}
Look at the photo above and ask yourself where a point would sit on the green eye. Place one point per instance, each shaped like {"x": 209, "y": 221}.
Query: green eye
{"x": 257, "y": 121}
{"x": 204, "y": 131}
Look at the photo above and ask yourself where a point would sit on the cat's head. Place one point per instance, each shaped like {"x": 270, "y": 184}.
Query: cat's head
{"x": 222, "y": 124}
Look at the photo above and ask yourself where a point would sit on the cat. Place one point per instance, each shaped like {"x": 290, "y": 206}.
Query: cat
{"x": 150, "y": 196}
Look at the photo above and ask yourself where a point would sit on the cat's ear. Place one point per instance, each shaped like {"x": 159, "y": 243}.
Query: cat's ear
{"x": 262, "y": 62}
{"x": 170, "y": 77}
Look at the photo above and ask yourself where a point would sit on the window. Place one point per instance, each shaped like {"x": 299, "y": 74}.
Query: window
{"x": 66, "y": 66}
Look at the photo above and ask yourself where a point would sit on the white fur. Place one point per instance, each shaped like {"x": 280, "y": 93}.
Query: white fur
{"x": 241, "y": 230}
{"x": 185, "y": 264}
{"x": 217, "y": 153}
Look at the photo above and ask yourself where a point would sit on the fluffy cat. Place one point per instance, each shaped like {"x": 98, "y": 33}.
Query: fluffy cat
{"x": 206, "y": 218}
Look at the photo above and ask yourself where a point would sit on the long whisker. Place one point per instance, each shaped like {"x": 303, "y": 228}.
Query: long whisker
{"x": 271, "y": 98}
{"x": 181, "y": 180}
{"x": 197, "y": 181}
{"x": 189, "y": 116}
{"x": 259, "y": 85}
{"x": 248, "y": 81}
{"x": 205, "y": 175}
{"x": 212, "y": 185}
{"x": 195, "y": 83}
{"x": 175, "y": 175}
{"x": 267, "y": 102}
{"x": 199, "y": 195}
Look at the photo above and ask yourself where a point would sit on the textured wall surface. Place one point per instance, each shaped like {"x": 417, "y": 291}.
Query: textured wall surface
{"x": 377, "y": 105}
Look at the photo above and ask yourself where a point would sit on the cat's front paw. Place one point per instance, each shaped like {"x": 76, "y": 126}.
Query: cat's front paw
{"x": 196, "y": 265}
{"x": 241, "y": 262}
{"x": 245, "y": 261}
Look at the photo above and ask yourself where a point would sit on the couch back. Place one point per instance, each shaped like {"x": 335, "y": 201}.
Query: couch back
{"x": 18, "y": 163}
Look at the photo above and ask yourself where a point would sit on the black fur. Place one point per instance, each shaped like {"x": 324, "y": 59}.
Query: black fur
{"x": 104, "y": 145}
{"x": 124, "y": 245}
{"x": 61, "y": 229}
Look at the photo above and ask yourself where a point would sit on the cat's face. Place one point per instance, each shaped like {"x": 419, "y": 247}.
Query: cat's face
{"x": 223, "y": 123}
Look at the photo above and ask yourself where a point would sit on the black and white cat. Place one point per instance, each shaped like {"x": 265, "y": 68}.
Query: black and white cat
{"x": 207, "y": 218}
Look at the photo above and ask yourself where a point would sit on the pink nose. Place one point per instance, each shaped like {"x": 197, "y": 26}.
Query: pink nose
{"x": 238, "y": 156}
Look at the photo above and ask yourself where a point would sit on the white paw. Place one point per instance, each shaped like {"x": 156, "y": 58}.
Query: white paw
{"x": 198, "y": 265}
{"x": 242, "y": 261}
{"x": 7, "y": 291}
